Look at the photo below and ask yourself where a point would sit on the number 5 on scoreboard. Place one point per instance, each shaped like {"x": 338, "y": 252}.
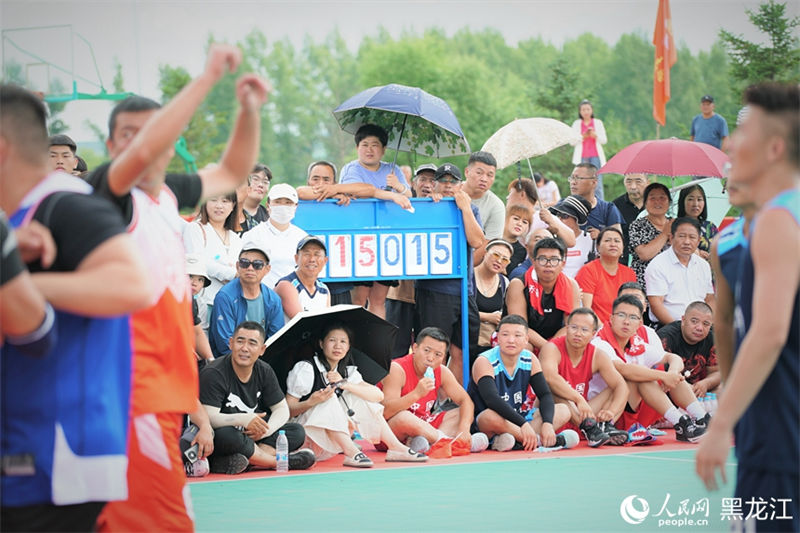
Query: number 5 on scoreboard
{"x": 441, "y": 255}
{"x": 367, "y": 256}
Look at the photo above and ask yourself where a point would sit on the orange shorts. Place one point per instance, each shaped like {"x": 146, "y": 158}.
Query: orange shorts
{"x": 158, "y": 497}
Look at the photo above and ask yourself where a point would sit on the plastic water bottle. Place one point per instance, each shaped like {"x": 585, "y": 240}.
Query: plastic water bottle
{"x": 429, "y": 373}
{"x": 282, "y": 452}
{"x": 712, "y": 403}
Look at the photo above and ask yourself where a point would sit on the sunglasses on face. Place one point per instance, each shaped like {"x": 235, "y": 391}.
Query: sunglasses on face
{"x": 498, "y": 257}
{"x": 257, "y": 264}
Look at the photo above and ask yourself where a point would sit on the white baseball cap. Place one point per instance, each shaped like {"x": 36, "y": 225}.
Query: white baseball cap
{"x": 283, "y": 190}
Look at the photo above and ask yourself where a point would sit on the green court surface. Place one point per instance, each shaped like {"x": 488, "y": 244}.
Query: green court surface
{"x": 577, "y": 493}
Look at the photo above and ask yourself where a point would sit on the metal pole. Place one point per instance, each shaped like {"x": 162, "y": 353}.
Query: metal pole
{"x": 399, "y": 139}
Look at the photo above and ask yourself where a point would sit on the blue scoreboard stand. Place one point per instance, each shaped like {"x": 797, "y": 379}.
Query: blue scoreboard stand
{"x": 375, "y": 239}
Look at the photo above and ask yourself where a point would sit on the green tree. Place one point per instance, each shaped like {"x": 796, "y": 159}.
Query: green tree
{"x": 561, "y": 94}
{"x": 778, "y": 60}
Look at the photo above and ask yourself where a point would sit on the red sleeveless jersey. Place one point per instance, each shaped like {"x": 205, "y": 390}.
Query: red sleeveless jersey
{"x": 422, "y": 407}
{"x": 578, "y": 376}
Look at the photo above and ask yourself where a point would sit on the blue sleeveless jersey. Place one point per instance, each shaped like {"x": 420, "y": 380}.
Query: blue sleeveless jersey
{"x": 513, "y": 388}
{"x": 731, "y": 243}
{"x": 768, "y": 434}
{"x": 65, "y": 414}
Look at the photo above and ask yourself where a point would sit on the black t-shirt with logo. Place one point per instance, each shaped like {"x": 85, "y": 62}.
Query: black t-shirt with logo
{"x": 696, "y": 357}
{"x": 221, "y": 387}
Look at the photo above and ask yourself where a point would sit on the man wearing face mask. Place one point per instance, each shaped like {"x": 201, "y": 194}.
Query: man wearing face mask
{"x": 278, "y": 234}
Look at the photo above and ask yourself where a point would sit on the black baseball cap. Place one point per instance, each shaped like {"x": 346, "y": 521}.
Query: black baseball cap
{"x": 573, "y": 206}
{"x": 447, "y": 168}
{"x": 707, "y": 98}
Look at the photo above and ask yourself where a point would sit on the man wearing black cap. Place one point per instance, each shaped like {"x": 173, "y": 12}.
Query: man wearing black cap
{"x": 400, "y": 301}
{"x": 62, "y": 154}
{"x": 573, "y": 211}
{"x": 709, "y": 127}
{"x": 439, "y": 300}
{"x": 302, "y": 290}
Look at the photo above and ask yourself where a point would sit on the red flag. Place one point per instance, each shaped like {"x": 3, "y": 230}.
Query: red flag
{"x": 665, "y": 58}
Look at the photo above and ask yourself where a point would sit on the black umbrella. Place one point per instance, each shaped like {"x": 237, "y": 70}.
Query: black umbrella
{"x": 371, "y": 345}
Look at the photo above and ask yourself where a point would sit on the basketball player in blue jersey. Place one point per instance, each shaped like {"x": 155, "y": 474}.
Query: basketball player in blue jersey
{"x": 503, "y": 379}
{"x": 725, "y": 255}
{"x": 65, "y": 410}
{"x": 760, "y": 398}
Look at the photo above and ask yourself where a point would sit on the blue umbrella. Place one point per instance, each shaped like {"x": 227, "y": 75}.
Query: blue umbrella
{"x": 415, "y": 120}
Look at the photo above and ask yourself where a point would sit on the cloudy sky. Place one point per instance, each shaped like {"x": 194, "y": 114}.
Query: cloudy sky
{"x": 143, "y": 34}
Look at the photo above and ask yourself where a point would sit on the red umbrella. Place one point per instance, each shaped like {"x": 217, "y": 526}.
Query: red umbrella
{"x": 668, "y": 157}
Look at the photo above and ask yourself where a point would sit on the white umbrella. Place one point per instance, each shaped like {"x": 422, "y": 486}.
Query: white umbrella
{"x": 528, "y": 137}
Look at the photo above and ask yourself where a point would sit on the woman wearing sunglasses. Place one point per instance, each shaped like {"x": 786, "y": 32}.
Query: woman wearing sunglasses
{"x": 491, "y": 293}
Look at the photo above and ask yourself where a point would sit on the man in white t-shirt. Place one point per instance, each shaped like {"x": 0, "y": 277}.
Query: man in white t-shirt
{"x": 278, "y": 235}
{"x": 678, "y": 276}
{"x": 479, "y": 174}
{"x": 653, "y": 376}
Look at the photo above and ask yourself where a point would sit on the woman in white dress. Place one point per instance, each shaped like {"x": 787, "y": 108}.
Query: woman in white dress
{"x": 213, "y": 237}
{"x": 328, "y": 396}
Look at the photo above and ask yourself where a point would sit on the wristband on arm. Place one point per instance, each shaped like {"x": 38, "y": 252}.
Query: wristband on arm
{"x": 39, "y": 341}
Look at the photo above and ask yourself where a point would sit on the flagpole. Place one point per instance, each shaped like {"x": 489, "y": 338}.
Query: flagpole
{"x": 658, "y": 131}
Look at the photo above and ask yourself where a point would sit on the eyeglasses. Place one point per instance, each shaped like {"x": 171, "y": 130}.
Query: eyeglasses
{"x": 257, "y": 264}
{"x": 578, "y": 178}
{"x": 256, "y": 180}
{"x": 497, "y": 257}
{"x": 451, "y": 181}
{"x": 575, "y": 328}
{"x": 545, "y": 261}
{"x": 623, "y": 316}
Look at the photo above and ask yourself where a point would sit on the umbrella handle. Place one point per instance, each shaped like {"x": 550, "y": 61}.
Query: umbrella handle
{"x": 399, "y": 139}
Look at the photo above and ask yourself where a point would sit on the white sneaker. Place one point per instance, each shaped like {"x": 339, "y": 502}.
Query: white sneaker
{"x": 479, "y": 442}
{"x": 199, "y": 468}
{"x": 419, "y": 444}
{"x": 503, "y": 442}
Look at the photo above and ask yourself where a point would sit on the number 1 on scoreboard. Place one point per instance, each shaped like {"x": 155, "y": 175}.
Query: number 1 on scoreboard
{"x": 416, "y": 254}
{"x": 340, "y": 256}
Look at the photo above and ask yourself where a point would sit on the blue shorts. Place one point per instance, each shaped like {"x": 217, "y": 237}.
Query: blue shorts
{"x": 755, "y": 485}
